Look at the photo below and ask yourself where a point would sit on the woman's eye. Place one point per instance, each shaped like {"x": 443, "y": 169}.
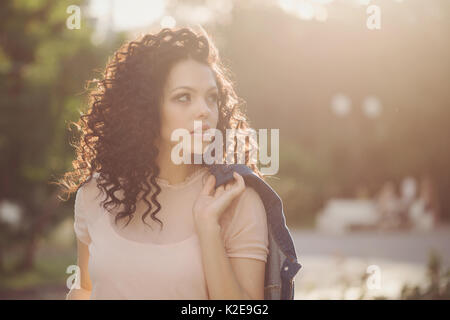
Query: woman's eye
{"x": 183, "y": 97}
{"x": 214, "y": 98}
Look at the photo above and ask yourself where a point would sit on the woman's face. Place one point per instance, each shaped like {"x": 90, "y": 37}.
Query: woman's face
{"x": 190, "y": 94}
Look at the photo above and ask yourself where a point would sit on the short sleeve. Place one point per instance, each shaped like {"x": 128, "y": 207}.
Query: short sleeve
{"x": 81, "y": 222}
{"x": 246, "y": 236}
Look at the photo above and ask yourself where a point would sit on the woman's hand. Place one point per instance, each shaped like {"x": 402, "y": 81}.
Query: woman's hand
{"x": 210, "y": 203}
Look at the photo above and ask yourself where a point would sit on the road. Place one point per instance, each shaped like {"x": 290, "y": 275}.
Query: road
{"x": 333, "y": 264}
{"x": 404, "y": 246}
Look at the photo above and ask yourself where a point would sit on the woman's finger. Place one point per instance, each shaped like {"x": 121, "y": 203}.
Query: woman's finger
{"x": 240, "y": 185}
{"x": 219, "y": 191}
{"x": 229, "y": 185}
{"x": 209, "y": 185}
{"x": 227, "y": 197}
{"x": 235, "y": 186}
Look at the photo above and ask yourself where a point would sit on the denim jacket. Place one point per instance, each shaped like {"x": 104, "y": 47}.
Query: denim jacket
{"x": 282, "y": 264}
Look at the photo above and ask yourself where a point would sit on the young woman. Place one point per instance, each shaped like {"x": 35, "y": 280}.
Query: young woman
{"x": 200, "y": 242}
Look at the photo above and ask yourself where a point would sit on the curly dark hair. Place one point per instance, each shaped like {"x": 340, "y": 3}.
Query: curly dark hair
{"x": 121, "y": 125}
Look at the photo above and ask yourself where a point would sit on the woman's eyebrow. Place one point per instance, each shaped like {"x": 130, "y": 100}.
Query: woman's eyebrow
{"x": 192, "y": 89}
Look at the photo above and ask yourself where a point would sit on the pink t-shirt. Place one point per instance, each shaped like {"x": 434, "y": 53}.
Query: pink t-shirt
{"x": 137, "y": 262}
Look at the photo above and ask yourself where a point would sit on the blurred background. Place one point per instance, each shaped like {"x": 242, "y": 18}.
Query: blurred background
{"x": 359, "y": 89}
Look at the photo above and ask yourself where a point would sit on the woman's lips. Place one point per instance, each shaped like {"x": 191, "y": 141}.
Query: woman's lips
{"x": 204, "y": 128}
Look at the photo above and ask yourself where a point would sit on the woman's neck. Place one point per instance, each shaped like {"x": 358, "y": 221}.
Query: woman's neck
{"x": 174, "y": 173}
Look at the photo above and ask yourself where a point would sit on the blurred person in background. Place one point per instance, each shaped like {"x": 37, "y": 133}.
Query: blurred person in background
{"x": 424, "y": 211}
{"x": 388, "y": 205}
{"x": 408, "y": 193}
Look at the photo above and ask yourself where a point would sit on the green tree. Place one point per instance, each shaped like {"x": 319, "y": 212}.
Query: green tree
{"x": 43, "y": 68}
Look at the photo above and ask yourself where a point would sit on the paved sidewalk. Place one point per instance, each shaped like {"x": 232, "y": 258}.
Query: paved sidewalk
{"x": 404, "y": 246}
{"x": 334, "y": 265}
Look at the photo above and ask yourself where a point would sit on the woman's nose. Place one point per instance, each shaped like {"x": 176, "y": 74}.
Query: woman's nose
{"x": 204, "y": 110}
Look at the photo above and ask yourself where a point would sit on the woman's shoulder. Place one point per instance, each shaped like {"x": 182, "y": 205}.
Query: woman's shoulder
{"x": 248, "y": 197}
{"x": 247, "y": 206}
{"x": 245, "y": 230}
{"x": 90, "y": 184}
{"x": 89, "y": 193}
